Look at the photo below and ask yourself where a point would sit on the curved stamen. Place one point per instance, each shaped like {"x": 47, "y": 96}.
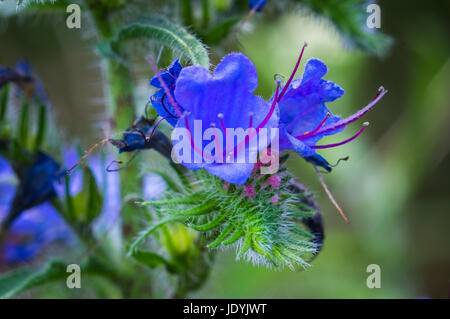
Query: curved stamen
{"x": 249, "y": 15}
{"x": 156, "y": 126}
{"x": 307, "y": 134}
{"x": 293, "y": 73}
{"x": 330, "y": 196}
{"x": 196, "y": 149}
{"x": 272, "y": 108}
{"x": 354, "y": 117}
{"x": 365, "y": 124}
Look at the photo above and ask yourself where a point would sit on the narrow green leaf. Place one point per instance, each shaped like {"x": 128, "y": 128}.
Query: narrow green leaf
{"x": 150, "y": 230}
{"x": 24, "y": 122}
{"x": 201, "y": 209}
{"x": 246, "y": 244}
{"x": 16, "y": 282}
{"x": 215, "y": 222}
{"x": 42, "y": 121}
{"x": 190, "y": 199}
{"x": 152, "y": 260}
{"x": 225, "y": 232}
{"x": 238, "y": 233}
{"x": 4, "y": 102}
{"x": 162, "y": 30}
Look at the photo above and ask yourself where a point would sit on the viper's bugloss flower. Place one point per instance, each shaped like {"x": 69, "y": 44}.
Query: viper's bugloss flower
{"x": 160, "y": 101}
{"x": 33, "y": 230}
{"x": 257, "y": 5}
{"x": 36, "y": 184}
{"x": 304, "y": 118}
{"x": 216, "y": 103}
{"x": 35, "y": 86}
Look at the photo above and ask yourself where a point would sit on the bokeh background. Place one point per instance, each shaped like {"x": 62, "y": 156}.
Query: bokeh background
{"x": 395, "y": 188}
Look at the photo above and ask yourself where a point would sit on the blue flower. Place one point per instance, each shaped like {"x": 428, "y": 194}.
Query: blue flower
{"x": 258, "y": 5}
{"x": 304, "y": 118}
{"x": 222, "y": 101}
{"x": 160, "y": 100}
{"x": 35, "y": 87}
{"x": 33, "y": 230}
{"x": 36, "y": 185}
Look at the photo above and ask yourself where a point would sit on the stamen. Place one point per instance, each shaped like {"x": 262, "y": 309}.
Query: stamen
{"x": 249, "y": 15}
{"x": 330, "y": 196}
{"x": 156, "y": 126}
{"x": 306, "y": 134}
{"x": 163, "y": 84}
{"x": 272, "y": 108}
{"x": 86, "y": 154}
{"x": 352, "y": 118}
{"x": 293, "y": 73}
{"x": 339, "y": 160}
{"x": 365, "y": 124}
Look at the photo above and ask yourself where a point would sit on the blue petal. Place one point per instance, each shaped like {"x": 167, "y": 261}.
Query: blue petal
{"x": 164, "y": 108}
{"x": 237, "y": 173}
{"x": 229, "y": 92}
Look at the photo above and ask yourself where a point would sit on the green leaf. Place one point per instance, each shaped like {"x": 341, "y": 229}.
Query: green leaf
{"x": 4, "y": 94}
{"x": 42, "y": 121}
{"x": 152, "y": 260}
{"x": 16, "y": 282}
{"x": 157, "y": 29}
{"x": 87, "y": 204}
{"x": 220, "y": 31}
{"x": 150, "y": 230}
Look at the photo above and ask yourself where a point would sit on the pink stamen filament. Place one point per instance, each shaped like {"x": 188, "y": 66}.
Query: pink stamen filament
{"x": 354, "y": 117}
{"x": 293, "y": 74}
{"x": 249, "y": 15}
{"x": 157, "y": 124}
{"x": 330, "y": 196}
{"x": 196, "y": 149}
{"x": 307, "y": 134}
{"x": 343, "y": 142}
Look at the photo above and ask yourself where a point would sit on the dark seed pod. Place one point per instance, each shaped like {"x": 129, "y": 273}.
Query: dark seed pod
{"x": 315, "y": 222}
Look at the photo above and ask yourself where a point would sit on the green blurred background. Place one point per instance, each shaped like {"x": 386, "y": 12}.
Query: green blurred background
{"x": 395, "y": 187}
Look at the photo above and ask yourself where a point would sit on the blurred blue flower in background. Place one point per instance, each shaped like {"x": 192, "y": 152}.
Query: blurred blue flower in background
{"x": 258, "y": 5}
{"x": 35, "y": 228}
